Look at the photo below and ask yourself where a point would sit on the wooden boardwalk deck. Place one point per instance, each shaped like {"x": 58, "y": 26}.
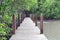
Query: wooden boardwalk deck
{"x": 28, "y": 31}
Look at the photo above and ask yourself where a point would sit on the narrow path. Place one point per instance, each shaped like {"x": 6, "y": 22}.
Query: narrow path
{"x": 28, "y": 31}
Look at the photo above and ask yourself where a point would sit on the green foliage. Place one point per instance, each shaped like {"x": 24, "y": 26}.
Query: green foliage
{"x": 7, "y": 19}
{"x": 3, "y": 38}
{"x": 51, "y": 8}
{"x": 7, "y": 9}
{"x": 4, "y": 30}
{"x": 27, "y": 4}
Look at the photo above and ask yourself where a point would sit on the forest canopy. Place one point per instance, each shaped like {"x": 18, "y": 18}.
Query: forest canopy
{"x": 50, "y": 8}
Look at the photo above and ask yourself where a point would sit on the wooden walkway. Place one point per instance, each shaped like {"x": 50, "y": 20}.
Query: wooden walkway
{"x": 28, "y": 31}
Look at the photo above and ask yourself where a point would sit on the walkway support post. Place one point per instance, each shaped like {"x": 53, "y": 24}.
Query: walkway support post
{"x": 13, "y": 24}
{"x": 41, "y": 23}
{"x": 36, "y": 20}
{"x": 21, "y": 17}
{"x": 33, "y": 17}
{"x": 18, "y": 19}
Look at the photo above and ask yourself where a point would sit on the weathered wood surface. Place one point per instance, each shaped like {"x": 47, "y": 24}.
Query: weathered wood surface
{"x": 28, "y": 31}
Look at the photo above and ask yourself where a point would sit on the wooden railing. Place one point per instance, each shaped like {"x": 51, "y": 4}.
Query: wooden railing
{"x": 34, "y": 18}
{"x": 20, "y": 19}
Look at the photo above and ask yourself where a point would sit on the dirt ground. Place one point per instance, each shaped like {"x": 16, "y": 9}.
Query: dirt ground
{"x": 51, "y": 29}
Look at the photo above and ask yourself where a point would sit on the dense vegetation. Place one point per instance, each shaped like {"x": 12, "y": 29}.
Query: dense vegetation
{"x": 50, "y": 9}
{"x": 7, "y": 9}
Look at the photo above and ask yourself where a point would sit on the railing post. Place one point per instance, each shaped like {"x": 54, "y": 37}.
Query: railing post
{"x": 24, "y": 15}
{"x": 21, "y": 17}
{"x": 18, "y": 19}
{"x": 41, "y": 23}
{"x": 36, "y": 20}
{"x": 13, "y": 23}
{"x": 31, "y": 16}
